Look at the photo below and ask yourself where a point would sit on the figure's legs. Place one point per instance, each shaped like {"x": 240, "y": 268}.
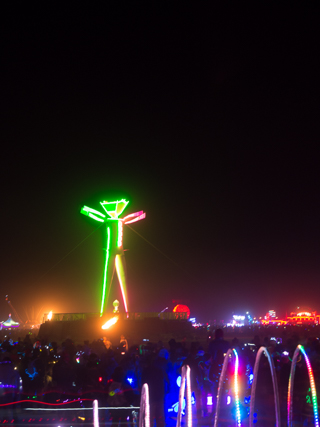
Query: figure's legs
{"x": 108, "y": 272}
{"x": 120, "y": 268}
{"x": 111, "y": 271}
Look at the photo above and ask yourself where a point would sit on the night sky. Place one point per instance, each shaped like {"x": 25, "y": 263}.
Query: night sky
{"x": 203, "y": 114}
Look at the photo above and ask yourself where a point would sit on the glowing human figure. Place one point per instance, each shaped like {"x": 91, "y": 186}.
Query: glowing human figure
{"x": 114, "y": 249}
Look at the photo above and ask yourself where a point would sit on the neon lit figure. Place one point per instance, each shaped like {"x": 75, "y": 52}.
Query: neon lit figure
{"x": 114, "y": 260}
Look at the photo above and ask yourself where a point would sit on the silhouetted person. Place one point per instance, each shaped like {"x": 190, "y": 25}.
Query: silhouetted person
{"x": 154, "y": 374}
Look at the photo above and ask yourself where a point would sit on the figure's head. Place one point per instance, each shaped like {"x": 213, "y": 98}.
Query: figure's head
{"x": 114, "y": 209}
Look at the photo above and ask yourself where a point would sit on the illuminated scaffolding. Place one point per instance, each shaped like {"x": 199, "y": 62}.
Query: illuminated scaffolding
{"x": 114, "y": 259}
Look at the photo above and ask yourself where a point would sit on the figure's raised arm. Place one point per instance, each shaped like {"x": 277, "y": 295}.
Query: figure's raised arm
{"x": 92, "y": 213}
{"x": 134, "y": 217}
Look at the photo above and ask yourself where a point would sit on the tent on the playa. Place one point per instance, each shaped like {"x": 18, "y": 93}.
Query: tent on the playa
{"x": 10, "y": 323}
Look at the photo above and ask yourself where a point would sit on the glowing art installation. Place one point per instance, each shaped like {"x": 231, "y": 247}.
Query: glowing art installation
{"x": 181, "y": 308}
{"x": 274, "y": 383}
{"x": 114, "y": 259}
{"x": 312, "y": 385}
{"x": 235, "y": 386}
{"x": 144, "y": 418}
{"x": 185, "y": 384}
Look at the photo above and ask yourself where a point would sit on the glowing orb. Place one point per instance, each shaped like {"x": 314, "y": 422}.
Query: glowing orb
{"x": 180, "y": 308}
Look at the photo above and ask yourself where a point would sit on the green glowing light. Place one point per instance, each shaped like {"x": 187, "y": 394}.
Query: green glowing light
{"x": 114, "y": 209}
{"x": 114, "y": 258}
{"x": 92, "y": 213}
{"x": 105, "y": 272}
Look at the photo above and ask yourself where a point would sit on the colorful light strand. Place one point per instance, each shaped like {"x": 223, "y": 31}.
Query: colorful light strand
{"x": 264, "y": 350}
{"x": 220, "y": 385}
{"x": 301, "y": 349}
{"x": 236, "y": 388}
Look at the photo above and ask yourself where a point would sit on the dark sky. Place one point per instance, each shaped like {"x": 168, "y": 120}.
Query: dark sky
{"x": 204, "y": 115}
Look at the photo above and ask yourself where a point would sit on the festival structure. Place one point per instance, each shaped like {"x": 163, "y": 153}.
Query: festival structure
{"x": 114, "y": 258}
{"x": 10, "y": 323}
{"x": 298, "y": 317}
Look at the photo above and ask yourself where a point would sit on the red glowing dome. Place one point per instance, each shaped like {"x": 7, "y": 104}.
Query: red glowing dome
{"x": 180, "y": 308}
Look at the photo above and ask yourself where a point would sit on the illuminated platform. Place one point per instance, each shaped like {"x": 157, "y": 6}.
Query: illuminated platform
{"x": 136, "y": 328}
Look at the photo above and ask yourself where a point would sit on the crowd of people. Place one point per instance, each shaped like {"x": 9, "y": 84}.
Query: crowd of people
{"x": 115, "y": 372}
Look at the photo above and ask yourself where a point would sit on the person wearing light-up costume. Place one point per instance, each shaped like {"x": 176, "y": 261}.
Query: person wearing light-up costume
{"x": 114, "y": 260}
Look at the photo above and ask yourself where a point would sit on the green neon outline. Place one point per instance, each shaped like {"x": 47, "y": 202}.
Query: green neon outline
{"x": 117, "y": 206}
{"x": 85, "y": 210}
{"x": 120, "y": 234}
{"x": 105, "y": 271}
{"x": 95, "y": 217}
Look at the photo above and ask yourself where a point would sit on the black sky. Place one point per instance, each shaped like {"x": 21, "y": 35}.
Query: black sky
{"x": 205, "y": 116}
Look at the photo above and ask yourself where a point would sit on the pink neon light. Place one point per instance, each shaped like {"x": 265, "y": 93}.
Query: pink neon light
{"x": 189, "y": 408}
{"x": 121, "y": 285}
{"x": 236, "y": 388}
{"x": 136, "y": 217}
{"x": 133, "y": 215}
{"x": 44, "y": 403}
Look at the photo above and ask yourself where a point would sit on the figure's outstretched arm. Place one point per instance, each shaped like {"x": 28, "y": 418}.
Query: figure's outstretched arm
{"x": 92, "y": 213}
{"x": 134, "y": 217}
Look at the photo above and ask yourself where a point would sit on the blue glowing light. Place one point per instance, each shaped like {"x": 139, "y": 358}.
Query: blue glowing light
{"x": 31, "y": 375}
{"x": 179, "y": 381}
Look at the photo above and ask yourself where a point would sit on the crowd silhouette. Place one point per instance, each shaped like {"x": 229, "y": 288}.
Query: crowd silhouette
{"x": 114, "y": 373}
